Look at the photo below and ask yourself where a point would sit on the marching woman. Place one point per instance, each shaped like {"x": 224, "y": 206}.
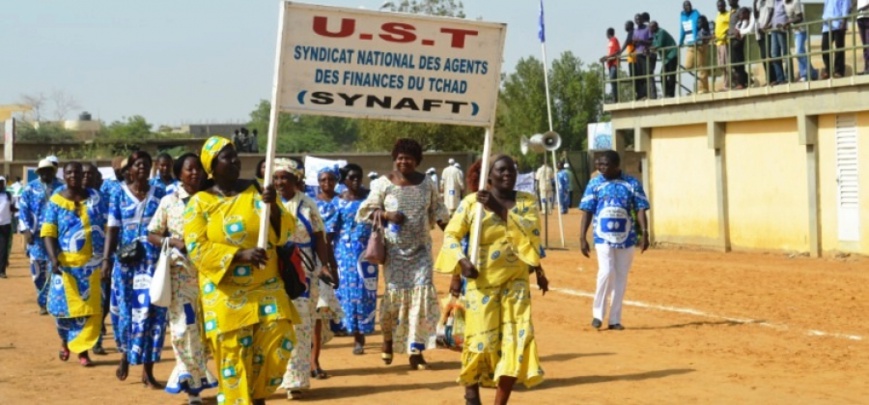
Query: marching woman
{"x": 247, "y": 316}
{"x": 308, "y": 236}
{"x": 138, "y": 326}
{"x": 328, "y": 307}
{"x": 73, "y": 229}
{"x": 358, "y": 291}
{"x": 499, "y": 347}
{"x": 190, "y": 374}
{"x": 408, "y": 201}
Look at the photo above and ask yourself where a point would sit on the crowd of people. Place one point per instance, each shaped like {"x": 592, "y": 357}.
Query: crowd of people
{"x": 97, "y": 247}
{"x": 778, "y": 27}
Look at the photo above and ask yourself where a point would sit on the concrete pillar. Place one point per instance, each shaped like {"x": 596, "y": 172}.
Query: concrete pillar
{"x": 715, "y": 132}
{"x": 807, "y": 129}
{"x": 643, "y": 144}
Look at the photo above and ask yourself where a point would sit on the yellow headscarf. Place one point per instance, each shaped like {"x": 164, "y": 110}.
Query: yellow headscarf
{"x": 210, "y": 149}
{"x": 288, "y": 165}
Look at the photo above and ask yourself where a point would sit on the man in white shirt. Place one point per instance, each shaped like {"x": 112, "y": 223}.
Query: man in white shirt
{"x": 433, "y": 175}
{"x": 452, "y": 185}
{"x": 545, "y": 179}
{"x": 7, "y": 209}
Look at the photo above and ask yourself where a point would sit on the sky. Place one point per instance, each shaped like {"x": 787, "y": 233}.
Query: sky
{"x": 208, "y": 61}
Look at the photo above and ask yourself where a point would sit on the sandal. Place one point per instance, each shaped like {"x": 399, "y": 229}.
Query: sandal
{"x": 417, "y": 362}
{"x": 85, "y": 361}
{"x": 294, "y": 394}
{"x": 386, "y": 350}
{"x": 63, "y": 354}
{"x": 100, "y": 350}
{"x": 358, "y": 349}
{"x": 123, "y": 369}
{"x": 319, "y": 374}
{"x": 386, "y": 357}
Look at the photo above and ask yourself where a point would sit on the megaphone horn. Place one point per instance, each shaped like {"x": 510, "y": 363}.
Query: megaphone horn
{"x": 551, "y": 141}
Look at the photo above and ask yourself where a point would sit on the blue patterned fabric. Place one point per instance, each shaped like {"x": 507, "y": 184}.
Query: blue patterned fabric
{"x": 329, "y": 213}
{"x": 612, "y": 202}
{"x": 139, "y": 327}
{"x": 563, "y": 179}
{"x": 358, "y": 290}
{"x": 167, "y": 188}
{"x": 31, "y": 205}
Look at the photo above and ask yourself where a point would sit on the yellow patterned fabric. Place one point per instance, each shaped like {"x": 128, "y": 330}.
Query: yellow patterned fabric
{"x": 499, "y": 334}
{"x": 238, "y": 298}
{"x": 210, "y": 149}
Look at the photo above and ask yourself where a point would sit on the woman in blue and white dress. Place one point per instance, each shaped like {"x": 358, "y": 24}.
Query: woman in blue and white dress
{"x": 139, "y": 327}
{"x": 358, "y": 290}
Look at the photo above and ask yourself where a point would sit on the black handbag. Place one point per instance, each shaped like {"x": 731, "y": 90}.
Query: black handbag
{"x": 133, "y": 253}
{"x": 291, "y": 271}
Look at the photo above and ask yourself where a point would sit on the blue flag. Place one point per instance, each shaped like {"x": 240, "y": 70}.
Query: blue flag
{"x": 541, "y": 33}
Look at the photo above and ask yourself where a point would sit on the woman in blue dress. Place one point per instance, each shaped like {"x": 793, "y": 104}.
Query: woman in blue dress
{"x": 358, "y": 290}
{"x": 139, "y": 327}
{"x": 73, "y": 229}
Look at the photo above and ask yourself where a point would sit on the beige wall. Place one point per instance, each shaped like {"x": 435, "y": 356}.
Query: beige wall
{"x": 683, "y": 194}
{"x": 828, "y": 188}
{"x": 766, "y": 185}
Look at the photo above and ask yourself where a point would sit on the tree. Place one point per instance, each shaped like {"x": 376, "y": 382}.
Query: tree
{"x": 36, "y": 102}
{"x": 132, "y": 129}
{"x": 443, "y": 8}
{"x": 304, "y": 133}
{"x": 43, "y": 132}
{"x": 576, "y": 101}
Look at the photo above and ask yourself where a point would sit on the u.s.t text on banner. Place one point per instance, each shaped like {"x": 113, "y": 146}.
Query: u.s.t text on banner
{"x": 366, "y": 64}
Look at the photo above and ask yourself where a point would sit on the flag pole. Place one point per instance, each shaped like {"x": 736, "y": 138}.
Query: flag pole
{"x": 264, "y": 223}
{"x": 474, "y": 245}
{"x": 542, "y": 35}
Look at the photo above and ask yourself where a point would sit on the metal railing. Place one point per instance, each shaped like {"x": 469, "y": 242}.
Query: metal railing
{"x": 689, "y": 80}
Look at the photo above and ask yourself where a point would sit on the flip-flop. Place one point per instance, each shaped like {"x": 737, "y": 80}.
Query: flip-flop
{"x": 85, "y": 361}
{"x": 387, "y": 358}
{"x": 63, "y": 354}
{"x": 358, "y": 349}
{"x": 319, "y": 374}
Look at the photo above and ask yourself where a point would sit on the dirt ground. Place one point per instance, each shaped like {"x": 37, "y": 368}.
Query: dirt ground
{"x": 702, "y": 327}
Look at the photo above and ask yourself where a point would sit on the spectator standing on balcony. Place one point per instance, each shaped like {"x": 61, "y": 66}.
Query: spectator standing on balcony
{"x": 612, "y": 62}
{"x": 653, "y": 57}
{"x": 744, "y": 27}
{"x": 833, "y": 31}
{"x": 664, "y": 43}
{"x": 779, "y": 48}
{"x": 863, "y": 24}
{"x": 722, "y": 27}
{"x": 642, "y": 42}
{"x": 695, "y": 54}
{"x": 763, "y": 10}
{"x": 796, "y": 14}
{"x": 628, "y": 48}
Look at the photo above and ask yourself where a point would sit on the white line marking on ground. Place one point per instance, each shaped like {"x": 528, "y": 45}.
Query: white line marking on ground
{"x": 695, "y": 312}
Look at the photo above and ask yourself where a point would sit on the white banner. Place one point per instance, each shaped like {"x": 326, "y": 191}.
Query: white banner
{"x": 367, "y": 64}
{"x": 525, "y": 182}
{"x": 313, "y": 166}
{"x": 600, "y": 136}
{"x": 9, "y": 140}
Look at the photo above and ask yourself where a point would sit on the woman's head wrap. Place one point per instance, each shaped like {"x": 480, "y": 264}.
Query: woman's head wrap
{"x": 334, "y": 170}
{"x": 210, "y": 149}
{"x": 288, "y": 165}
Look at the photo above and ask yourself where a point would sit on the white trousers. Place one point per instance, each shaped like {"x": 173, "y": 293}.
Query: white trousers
{"x": 612, "y": 278}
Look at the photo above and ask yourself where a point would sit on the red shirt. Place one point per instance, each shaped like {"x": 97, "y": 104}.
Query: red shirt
{"x": 613, "y": 48}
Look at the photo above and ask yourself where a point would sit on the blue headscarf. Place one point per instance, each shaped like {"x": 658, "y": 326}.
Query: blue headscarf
{"x": 333, "y": 170}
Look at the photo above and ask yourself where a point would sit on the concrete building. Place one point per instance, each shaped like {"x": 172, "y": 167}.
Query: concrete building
{"x": 782, "y": 168}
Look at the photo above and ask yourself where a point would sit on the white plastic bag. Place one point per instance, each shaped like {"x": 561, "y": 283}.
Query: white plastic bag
{"x": 161, "y": 283}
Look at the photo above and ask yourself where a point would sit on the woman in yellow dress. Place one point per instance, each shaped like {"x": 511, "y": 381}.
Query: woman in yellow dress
{"x": 248, "y": 317}
{"x": 499, "y": 347}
